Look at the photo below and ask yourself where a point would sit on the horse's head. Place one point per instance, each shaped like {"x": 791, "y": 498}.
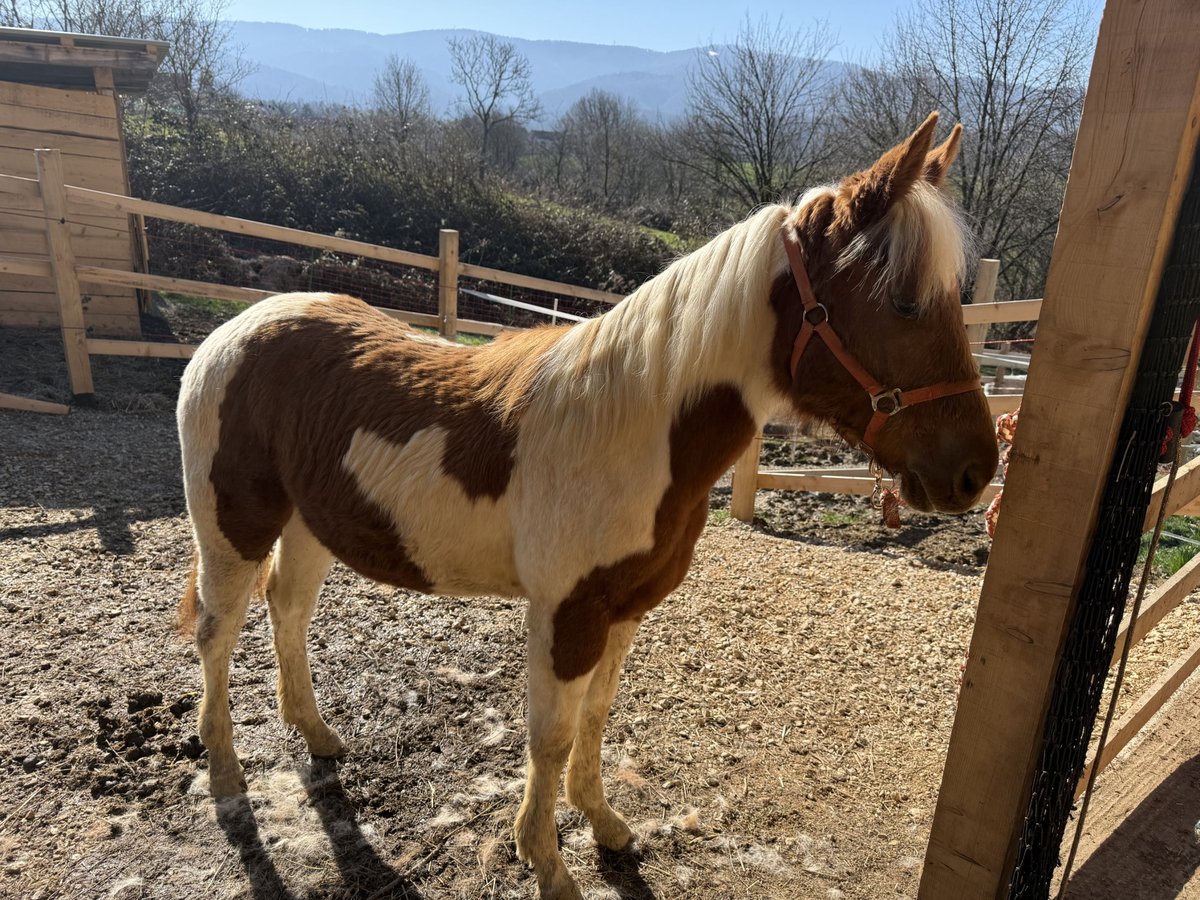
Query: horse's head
{"x": 885, "y": 253}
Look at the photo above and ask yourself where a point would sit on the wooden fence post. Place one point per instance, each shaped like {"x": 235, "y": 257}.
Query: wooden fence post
{"x": 1133, "y": 155}
{"x": 745, "y": 481}
{"x": 984, "y": 292}
{"x": 448, "y": 281}
{"x": 62, "y": 264}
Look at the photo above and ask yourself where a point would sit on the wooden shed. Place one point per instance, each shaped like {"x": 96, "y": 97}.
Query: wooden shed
{"x": 61, "y": 90}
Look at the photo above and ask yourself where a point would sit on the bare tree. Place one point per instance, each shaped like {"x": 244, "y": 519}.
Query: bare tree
{"x": 1013, "y": 72}
{"x": 201, "y": 63}
{"x": 603, "y": 132}
{"x": 550, "y": 162}
{"x": 496, "y": 82}
{"x": 757, "y": 110}
{"x": 402, "y": 94}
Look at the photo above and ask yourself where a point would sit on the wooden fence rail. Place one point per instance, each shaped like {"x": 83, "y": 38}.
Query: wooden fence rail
{"x": 67, "y": 274}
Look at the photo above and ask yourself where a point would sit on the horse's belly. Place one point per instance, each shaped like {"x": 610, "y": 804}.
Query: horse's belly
{"x": 458, "y": 543}
{"x": 482, "y": 568}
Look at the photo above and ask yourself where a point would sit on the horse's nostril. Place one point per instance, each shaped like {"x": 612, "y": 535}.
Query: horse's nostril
{"x": 973, "y": 478}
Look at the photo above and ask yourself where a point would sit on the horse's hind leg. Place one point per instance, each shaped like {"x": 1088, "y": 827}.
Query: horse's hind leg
{"x": 224, "y": 582}
{"x": 585, "y": 790}
{"x": 297, "y": 573}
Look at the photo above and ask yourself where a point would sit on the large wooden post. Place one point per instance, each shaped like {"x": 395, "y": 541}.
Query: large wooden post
{"x": 1133, "y": 157}
{"x": 986, "y": 275}
{"x": 62, "y": 264}
{"x": 448, "y": 282}
{"x": 745, "y": 481}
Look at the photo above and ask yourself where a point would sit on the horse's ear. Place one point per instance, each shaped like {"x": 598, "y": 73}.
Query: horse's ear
{"x": 869, "y": 194}
{"x": 939, "y": 159}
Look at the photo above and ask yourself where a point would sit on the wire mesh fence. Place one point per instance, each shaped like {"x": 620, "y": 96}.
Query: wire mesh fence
{"x": 200, "y": 254}
{"x": 484, "y": 301}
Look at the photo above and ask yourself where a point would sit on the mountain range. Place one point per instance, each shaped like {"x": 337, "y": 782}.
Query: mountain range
{"x": 303, "y": 65}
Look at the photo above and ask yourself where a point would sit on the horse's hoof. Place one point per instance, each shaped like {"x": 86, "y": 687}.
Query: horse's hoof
{"x": 615, "y": 835}
{"x": 328, "y": 746}
{"x": 223, "y": 785}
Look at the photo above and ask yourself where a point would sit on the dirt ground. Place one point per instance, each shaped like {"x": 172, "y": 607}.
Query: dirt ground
{"x": 780, "y": 730}
{"x": 1140, "y": 838}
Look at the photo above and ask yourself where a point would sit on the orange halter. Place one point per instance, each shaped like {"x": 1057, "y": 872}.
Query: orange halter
{"x": 885, "y": 402}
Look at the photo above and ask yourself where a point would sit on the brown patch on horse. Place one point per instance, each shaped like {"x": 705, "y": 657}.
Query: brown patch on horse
{"x": 705, "y": 440}
{"x": 282, "y": 447}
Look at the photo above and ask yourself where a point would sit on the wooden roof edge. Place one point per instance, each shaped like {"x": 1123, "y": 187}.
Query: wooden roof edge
{"x": 97, "y": 41}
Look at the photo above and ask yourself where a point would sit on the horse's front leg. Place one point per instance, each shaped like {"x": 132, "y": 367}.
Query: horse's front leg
{"x": 585, "y": 790}
{"x": 554, "y": 703}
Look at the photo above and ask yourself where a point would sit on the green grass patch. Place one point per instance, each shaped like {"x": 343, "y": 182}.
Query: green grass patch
{"x": 225, "y": 309}
{"x": 469, "y": 340}
{"x": 473, "y": 340}
{"x": 838, "y": 517}
{"x": 1175, "y": 548}
{"x": 676, "y": 242}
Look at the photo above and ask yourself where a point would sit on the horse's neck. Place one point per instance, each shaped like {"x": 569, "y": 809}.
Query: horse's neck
{"x": 629, "y": 377}
{"x": 677, "y": 347}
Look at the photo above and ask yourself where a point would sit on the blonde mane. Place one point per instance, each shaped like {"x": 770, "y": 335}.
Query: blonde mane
{"x": 923, "y": 241}
{"x": 700, "y": 322}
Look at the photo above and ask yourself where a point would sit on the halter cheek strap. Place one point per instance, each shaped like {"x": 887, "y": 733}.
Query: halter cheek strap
{"x": 885, "y": 402}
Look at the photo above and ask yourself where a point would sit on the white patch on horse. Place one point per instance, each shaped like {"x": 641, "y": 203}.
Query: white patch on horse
{"x": 584, "y": 505}
{"x": 463, "y": 546}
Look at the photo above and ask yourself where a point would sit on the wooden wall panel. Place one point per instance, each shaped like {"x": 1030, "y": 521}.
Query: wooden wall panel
{"x": 85, "y": 127}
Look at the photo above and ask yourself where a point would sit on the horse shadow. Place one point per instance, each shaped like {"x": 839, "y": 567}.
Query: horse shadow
{"x": 364, "y": 874}
{"x": 1155, "y": 852}
{"x": 621, "y": 871}
{"x": 235, "y": 816}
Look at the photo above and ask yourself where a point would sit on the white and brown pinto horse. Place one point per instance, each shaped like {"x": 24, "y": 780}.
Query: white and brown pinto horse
{"x": 569, "y": 465}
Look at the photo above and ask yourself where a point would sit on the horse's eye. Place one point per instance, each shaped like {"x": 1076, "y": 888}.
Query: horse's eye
{"x": 906, "y": 307}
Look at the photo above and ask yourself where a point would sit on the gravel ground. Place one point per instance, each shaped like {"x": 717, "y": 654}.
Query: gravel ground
{"x": 780, "y": 730}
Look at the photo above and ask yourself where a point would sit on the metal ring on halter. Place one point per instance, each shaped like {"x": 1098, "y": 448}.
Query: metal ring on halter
{"x": 893, "y": 396}
{"x": 819, "y": 306}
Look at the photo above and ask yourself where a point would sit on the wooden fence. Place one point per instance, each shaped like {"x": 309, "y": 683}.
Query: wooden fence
{"x": 67, "y": 274}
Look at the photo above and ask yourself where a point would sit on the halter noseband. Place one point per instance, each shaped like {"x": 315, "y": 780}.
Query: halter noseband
{"x": 885, "y": 402}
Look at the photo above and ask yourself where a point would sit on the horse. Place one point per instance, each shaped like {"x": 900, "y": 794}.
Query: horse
{"x": 570, "y": 465}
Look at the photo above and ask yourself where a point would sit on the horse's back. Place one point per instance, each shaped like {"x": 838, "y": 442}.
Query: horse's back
{"x": 372, "y": 432}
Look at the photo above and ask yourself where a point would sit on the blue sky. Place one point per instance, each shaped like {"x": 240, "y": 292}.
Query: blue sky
{"x": 654, "y": 24}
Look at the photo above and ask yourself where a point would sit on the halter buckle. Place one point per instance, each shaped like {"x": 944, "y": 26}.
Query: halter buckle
{"x": 819, "y": 307}
{"x": 887, "y": 402}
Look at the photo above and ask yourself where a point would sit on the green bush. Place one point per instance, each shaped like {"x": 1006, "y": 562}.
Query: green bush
{"x": 341, "y": 173}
